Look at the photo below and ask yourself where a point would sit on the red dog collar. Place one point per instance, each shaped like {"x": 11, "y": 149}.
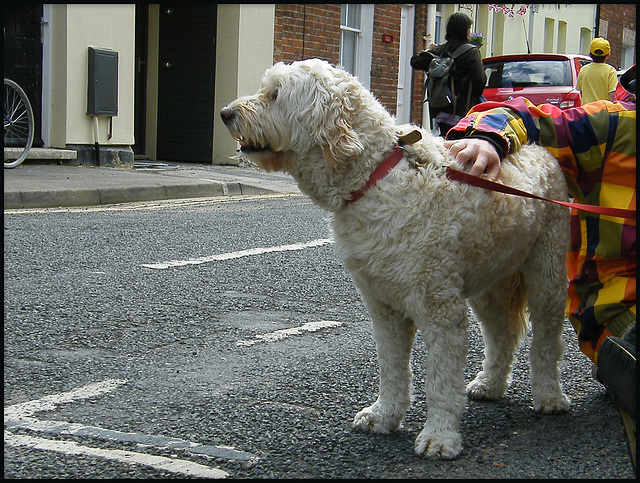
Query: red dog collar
{"x": 380, "y": 172}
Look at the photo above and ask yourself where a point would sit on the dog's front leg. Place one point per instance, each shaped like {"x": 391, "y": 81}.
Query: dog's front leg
{"x": 394, "y": 336}
{"x": 446, "y": 339}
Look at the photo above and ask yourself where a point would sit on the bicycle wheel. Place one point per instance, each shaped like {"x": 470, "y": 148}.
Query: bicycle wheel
{"x": 18, "y": 124}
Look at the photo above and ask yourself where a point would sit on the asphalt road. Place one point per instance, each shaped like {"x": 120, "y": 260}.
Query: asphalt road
{"x": 223, "y": 338}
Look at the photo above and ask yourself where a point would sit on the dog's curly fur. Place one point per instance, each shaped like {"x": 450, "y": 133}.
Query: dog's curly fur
{"x": 418, "y": 245}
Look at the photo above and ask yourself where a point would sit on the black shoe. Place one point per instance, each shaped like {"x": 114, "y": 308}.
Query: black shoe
{"x": 616, "y": 369}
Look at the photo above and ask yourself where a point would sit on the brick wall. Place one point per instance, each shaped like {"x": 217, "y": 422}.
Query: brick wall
{"x": 385, "y": 55}
{"x": 618, "y": 17}
{"x": 304, "y": 31}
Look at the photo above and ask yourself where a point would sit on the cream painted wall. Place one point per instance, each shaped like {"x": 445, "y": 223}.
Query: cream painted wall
{"x": 255, "y": 53}
{"x": 224, "y": 146}
{"x": 239, "y": 65}
{"x": 58, "y": 77}
{"x": 509, "y": 35}
{"x": 576, "y": 16}
{"x": 75, "y": 27}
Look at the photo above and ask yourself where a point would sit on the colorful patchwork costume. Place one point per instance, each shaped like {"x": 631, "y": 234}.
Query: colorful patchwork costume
{"x": 596, "y": 147}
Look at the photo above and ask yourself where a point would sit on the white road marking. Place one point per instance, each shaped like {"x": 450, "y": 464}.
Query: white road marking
{"x": 239, "y": 254}
{"x": 81, "y": 430}
{"x": 49, "y": 403}
{"x": 21, "y": 416}
{"x": 150, "y": 205}
{"x": 284, "y": 333}
{"x": 129, "y": 457}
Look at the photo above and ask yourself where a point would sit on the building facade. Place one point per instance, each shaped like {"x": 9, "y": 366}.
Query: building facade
{"x": 178, "y": 65}
{"x": 617, "y": 24}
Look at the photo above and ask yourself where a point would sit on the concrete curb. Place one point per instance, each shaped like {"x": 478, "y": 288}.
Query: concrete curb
{"x": 48, "y": 186}
{"x": 107, "y": 196}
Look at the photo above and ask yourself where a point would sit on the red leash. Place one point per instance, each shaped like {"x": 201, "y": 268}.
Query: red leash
{"x": 478, "y": 182}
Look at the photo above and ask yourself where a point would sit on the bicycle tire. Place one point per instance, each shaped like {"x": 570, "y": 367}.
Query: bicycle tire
{"x": 18, "y": 123}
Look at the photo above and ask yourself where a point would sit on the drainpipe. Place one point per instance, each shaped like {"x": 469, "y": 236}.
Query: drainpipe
{"x": 95, "y": 135}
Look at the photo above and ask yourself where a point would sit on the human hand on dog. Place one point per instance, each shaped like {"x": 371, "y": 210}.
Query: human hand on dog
{"x": 480, "y": 152}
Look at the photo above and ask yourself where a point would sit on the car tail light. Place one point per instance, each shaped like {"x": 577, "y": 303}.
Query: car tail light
{"x": 571, "y": 100}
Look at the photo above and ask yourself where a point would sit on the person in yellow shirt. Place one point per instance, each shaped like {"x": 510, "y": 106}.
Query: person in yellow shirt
{"x": 598, "y": 81}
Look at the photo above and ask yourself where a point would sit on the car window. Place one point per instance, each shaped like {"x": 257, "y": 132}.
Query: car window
{"x": 528, "y": 73}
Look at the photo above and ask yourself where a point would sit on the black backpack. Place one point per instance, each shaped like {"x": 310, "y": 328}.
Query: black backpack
{"x": 439, "y": 83}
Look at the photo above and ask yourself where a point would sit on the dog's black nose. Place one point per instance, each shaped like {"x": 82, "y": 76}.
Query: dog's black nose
{"x": 227, "y": 114}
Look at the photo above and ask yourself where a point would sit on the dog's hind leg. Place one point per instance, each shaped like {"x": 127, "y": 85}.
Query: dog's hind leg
{"x": 394, "y": 336}
{"x": 546, "y": 306}
{"x": 501, "y": 312}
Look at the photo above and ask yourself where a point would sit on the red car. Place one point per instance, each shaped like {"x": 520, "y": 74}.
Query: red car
{"x": 541, "y": 78}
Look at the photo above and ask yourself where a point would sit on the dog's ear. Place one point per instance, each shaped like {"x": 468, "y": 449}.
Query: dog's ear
{"x": 331, "y": 121}
{"x": 339, "y": 141}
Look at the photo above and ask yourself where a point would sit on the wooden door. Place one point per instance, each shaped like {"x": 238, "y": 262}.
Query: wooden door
{"x": 186, "y": 82}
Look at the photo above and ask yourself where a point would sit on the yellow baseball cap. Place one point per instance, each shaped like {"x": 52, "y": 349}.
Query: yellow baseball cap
{"x": 600, "y": 46}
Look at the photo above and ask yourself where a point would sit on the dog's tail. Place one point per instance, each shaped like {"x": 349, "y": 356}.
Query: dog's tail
{"x": 517, "y": 307}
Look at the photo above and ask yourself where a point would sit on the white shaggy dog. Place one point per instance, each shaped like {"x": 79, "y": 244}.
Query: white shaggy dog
{"x": 419, "y": 245}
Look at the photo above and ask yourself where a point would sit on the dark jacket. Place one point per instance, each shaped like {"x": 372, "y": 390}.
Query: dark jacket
{"x": 469, "y": 70}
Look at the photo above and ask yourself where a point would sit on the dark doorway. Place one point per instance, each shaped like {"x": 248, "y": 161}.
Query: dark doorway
{"x": 23, "y": 55}
{"x": 186, "y": 82}
{"x": 140, "y": 95}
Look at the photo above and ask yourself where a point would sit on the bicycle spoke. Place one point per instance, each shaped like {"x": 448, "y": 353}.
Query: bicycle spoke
{"x": 18, "y": 123}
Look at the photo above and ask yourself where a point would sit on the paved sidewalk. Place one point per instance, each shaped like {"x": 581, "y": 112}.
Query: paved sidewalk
{"x": 33, "y": 185}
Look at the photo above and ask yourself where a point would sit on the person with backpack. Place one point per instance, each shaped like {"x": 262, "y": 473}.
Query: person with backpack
{"x": 452, "y": 87}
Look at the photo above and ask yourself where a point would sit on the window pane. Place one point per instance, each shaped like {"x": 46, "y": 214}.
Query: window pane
{"x": 350, "y": 16}
{"x": 348, "y": 51}
{"x": 350, "y": 22}
{"x": 529, "y": 73}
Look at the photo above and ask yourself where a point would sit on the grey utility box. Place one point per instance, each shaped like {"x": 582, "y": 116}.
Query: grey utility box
{"x": 103, "y": 82}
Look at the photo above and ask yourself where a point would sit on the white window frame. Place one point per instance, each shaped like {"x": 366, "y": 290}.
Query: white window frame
{"x": 364, "y": 44}
{"x": 403, "y": 98}
{"x": 628, "y": 47}
{"x": 355, "y": 28}
{"x": 438, "y": 25}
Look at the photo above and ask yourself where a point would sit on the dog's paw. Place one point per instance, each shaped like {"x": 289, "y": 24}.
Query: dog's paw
{"x": 482, "y": 387}
{"x": 551, "y": 403}
{"x": 438, "y": 444}
{"x": 375, "y": 420}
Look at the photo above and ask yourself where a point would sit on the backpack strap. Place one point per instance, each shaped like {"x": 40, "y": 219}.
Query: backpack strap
{"x": 459, "y": 51}
{"x": 462, "y": 49}
{"x": 468, "y": 98}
